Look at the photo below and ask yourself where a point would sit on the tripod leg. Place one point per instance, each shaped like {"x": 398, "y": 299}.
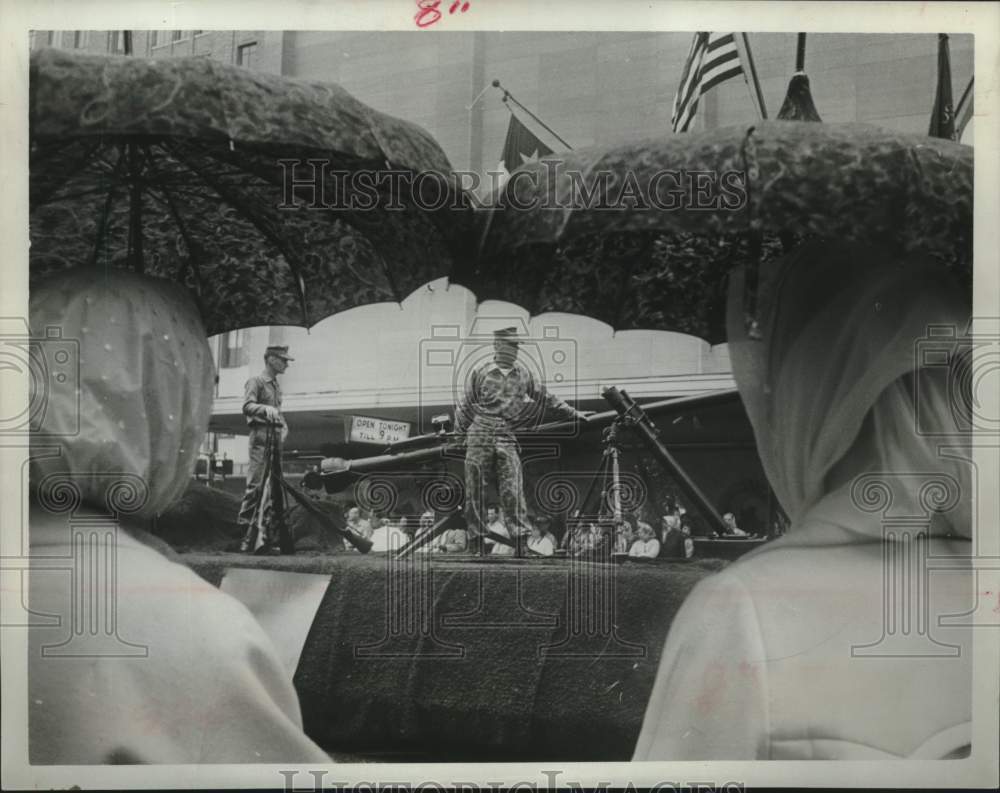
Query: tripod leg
{"x": 616, "y": 486}
{"x": 286, "y": 542}
{"x": 598, "y": 476}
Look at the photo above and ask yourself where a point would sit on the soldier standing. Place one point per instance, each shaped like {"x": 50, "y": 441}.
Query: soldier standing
{"x": 262, "y": 410}
{"x": 500, "y": 397}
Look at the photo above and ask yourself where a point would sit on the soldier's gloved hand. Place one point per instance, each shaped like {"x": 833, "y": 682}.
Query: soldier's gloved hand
{"x": 271, "y": 414}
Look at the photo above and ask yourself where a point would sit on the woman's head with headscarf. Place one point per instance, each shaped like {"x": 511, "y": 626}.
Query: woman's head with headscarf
{"x": 830, "y": 388}
{"x": 131, "y": 434}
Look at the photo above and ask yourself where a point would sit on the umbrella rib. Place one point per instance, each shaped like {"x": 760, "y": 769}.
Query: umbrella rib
{"x": 66, "y": 196}
{"x": 189, "y": 242}
{"x": 387, "y": 270}
{"x": 102, "y": 224}
{"x": 135, "y": 256}
{"x": 75, "y": 168}
{"x": 192, "y": 247}
{"x": 229, "y": 197}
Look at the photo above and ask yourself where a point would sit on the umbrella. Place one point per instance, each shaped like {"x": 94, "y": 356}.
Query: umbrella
{"x": 173, "y": 167}
{"x": 565, "y": 237}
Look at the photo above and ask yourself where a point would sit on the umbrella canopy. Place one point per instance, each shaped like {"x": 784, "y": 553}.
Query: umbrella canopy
{"x": 173, "y": 167}
{"x": 623, "y": 235}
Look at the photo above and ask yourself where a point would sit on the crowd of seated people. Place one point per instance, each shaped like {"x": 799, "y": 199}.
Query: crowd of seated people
{"x": 669, "y": 537}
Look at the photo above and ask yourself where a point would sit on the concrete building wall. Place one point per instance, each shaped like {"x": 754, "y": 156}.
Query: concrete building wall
{"x": 600, "y": 88}
{"x": 589, "y": 87}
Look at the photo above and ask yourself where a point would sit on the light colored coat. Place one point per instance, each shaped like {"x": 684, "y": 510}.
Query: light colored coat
{"x": 209, "y": 690}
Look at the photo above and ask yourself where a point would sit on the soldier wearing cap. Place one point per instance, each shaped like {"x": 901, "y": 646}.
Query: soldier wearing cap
{"x": 500, "y": 397}
{"x": 262, "y": 410}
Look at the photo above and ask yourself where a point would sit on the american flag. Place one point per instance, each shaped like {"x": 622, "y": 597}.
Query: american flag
{"x": 713, "y": 59}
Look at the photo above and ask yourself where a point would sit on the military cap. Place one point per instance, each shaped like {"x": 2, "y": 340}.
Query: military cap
{"x": 279, "y": 352}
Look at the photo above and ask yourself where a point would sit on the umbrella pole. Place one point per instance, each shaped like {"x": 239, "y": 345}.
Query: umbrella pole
{"x": 135, "y": 255}
{"x": 102, "y": 222}
{"x": 800, "y": 53}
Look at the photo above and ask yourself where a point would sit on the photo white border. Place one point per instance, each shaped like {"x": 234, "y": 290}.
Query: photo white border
{"x": 982, "y": 20}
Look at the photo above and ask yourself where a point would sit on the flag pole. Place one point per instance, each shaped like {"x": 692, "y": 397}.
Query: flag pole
{"x": 753, "y": 76}
{"x": 964, "y": 109}
{"x": 508, "y": 95}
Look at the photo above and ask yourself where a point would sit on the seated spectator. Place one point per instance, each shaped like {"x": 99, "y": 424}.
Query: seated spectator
{"x": 688, "y": 542}
{"x": 454, "y": 541}
{"x": 624, "y": 537}
{"x": 388, "y": 537}
{"x": 600, "y": 539}
{"x": 191, "y": 677}
{"x": 409, "y": 526}
{"x": 732, "y": 530}
{"x": 672, "y": 534}
{"x": 427, "y": 520}
{"x": 539, "y": 543}
{"x": 545, "y": 522}
{"x": 357, "y": 524}
{"x": 581, "y": 540}
{"x": 495, "y": 524}
{"x": 569, "y": 527}
{"x": 646, "y": 546}
{"x": 694, "y": 525}
{"x": 499, "y": 548}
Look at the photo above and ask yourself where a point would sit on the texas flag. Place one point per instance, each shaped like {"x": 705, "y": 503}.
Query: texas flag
{"x": 521, "y": 146}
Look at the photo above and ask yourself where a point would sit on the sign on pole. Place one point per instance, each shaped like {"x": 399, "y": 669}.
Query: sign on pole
{"x": 364, "y": 429}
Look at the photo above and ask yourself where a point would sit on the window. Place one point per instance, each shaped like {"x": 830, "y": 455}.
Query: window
{"x": 79, "y": 39}
{"x": 176, "y": 35}
{"x": 235, "y": 350}
{"x": 246, "y": 54}
{"x": 158, "y": 38}
{"x": 117, "y": 43}
{"x": 50, "y": 38}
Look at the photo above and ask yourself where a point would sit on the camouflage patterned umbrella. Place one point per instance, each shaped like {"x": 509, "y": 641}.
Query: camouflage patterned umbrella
{"x": 604, "y": 233}
{"x": 173, "y": 167}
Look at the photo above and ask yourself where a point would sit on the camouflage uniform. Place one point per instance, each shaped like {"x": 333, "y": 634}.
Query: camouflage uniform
{"x": 260, "y": 391}
{"x": 497, "y": 402}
